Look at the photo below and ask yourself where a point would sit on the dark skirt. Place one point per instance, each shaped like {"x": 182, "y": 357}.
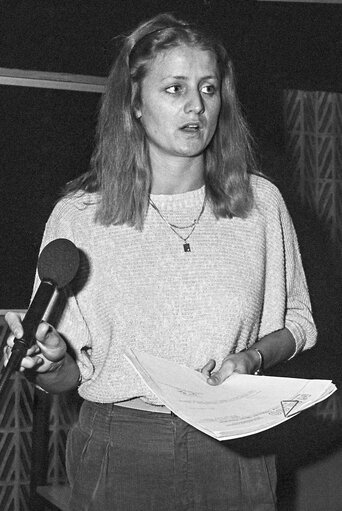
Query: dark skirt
{"x": 122, "y": 459}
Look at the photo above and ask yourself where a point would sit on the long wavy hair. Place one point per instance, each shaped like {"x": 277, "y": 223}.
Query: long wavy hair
{"x": 120, "y": 170}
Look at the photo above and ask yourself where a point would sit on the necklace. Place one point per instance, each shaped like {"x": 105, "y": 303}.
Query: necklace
{"x": 173, "y": 227}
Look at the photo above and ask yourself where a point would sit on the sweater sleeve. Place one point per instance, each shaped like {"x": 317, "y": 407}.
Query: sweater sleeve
{"x": 298, "y": 318}
{"x": 286, "y": 299}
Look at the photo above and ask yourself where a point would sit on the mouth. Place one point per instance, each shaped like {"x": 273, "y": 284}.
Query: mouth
{"x": 191, "y": 127}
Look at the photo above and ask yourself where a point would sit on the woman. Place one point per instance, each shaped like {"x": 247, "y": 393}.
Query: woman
{"x": 186, "y": 253}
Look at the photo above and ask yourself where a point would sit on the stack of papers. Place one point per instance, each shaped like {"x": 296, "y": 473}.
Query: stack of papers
{"x": 243, "y": 405}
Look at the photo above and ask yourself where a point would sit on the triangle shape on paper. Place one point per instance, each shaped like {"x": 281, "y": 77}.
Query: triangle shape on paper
{"x": 288, "y": 406}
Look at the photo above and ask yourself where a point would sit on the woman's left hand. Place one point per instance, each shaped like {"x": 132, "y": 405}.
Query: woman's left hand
{"x": 245, "y": 362}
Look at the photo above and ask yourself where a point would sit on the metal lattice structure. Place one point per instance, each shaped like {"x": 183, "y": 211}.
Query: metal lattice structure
{"x": 15, "y": 440}
{"x": 63, "y": 413}
{"x": 313, "y": 123}
{"x": 16, "y": 421}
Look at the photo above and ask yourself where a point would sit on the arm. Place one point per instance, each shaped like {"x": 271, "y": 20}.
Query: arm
{"x": 287, "y": 326}
{"x": 274, "y": 347}
{"x": 53, "y": 369}
{"x": 286, "y": 295}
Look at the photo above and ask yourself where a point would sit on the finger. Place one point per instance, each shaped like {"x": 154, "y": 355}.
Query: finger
{"x": 42, "y": 332}
{"x": 7, "y": 354}
{"x": 10, "y": 341}
{"x": 34, "y": 350}
{"x": 226, "y": 369}
{"x": 45, "y": 334}
{"x": 31, "y": 362}
{"x": 48, "y": 337}
{"x": 52, "y": 346}
{"x": 13, "y": 320}
{"x": 208, "y": 367}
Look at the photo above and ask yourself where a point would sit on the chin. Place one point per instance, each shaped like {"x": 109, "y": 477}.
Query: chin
{"x": 192, "y": 150}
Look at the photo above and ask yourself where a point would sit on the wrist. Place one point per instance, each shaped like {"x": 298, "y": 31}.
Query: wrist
{"x": 55, "y": 366}
{"x": 64, "y": 375}
{"x": 258, "y": 361}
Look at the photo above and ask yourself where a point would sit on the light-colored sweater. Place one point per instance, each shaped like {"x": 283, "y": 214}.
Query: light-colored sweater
{"x": 242, "y": 280}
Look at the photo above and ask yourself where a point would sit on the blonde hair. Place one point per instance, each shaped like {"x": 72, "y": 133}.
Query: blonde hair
{"x": 120, "y": 168}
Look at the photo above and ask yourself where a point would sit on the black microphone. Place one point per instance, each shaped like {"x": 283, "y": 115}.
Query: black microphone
{"x": 57, "y": 266}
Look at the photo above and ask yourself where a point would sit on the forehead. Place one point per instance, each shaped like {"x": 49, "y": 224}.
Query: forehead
{"x": 184, "y": 61}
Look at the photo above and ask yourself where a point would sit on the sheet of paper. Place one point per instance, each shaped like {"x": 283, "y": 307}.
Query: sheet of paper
{"x": 241, "y": 406}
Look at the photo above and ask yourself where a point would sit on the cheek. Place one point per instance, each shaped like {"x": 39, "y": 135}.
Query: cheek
{"x": 213, "y": 118}
{"x": 152, "y": 124}
{"x": 212, "y": 125}
{"x": 156, "y": 120}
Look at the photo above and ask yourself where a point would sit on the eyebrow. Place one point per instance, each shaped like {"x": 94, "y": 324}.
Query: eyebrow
{"x": 180, "y": 77}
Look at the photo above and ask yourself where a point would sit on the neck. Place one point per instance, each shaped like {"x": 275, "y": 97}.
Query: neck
{"x": 177, "y": 176}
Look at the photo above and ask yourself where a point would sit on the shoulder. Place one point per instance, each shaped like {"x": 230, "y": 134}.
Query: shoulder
{"x": 269, "y": 203}
{"x": 72, "y": 217}
{"x": 266, "y": 195}
{"x": 79, "y": 204}
{"x": 264, "y": 190}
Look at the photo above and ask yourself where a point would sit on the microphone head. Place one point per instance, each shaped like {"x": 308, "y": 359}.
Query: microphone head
{"x": 59, "y": 262}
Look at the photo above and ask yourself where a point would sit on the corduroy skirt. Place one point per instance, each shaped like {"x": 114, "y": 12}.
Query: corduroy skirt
{"x": 123, "y": 459}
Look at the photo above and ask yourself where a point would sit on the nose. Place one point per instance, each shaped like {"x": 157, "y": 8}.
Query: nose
{"x": 194, "y": 103}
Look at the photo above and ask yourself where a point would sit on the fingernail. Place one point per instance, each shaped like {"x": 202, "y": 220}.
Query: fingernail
{"x": 215, "y": 379}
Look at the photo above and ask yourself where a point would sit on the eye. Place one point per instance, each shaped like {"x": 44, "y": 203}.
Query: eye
{"x": 174, "y": 89}
{"x": 209, "y": 89}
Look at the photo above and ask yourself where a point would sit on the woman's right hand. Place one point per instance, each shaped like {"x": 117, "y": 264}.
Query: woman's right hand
{"x": 45, "y": 355}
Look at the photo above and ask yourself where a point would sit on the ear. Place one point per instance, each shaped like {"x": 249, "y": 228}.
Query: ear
{"x": 137, "y": 113}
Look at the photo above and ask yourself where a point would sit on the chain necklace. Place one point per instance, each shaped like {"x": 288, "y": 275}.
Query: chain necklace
{"x": 173, "y": 227}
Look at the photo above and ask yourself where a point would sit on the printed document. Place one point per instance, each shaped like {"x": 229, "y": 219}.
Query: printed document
{"x": 243, "y": 405}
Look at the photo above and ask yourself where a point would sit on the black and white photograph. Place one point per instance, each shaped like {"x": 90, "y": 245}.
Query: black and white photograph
{"x": 170, "y": 255}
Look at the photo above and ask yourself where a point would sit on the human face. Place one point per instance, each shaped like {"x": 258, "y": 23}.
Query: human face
{"x": 180, "y": 102}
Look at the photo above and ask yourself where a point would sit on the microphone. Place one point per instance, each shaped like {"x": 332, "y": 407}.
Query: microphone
{"x": 57, "y": 266}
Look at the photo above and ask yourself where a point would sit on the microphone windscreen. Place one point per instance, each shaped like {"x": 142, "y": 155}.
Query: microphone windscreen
{"x": 59, "y": 262}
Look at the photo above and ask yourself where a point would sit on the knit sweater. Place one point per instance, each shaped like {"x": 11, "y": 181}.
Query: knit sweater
{"x": 242, "y": 280}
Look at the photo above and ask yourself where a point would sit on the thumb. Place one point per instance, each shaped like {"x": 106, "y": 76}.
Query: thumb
{"x": 47, "y": 336}
{"x": 208, "y": 368}
{"x": 218, "y": 377}
{"x": 42, "y": 331}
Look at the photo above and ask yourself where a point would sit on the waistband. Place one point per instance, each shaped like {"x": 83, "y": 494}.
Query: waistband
{"x": 138, "y": 404}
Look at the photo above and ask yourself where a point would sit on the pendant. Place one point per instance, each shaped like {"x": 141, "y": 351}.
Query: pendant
{"x": 186, "y": 247}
